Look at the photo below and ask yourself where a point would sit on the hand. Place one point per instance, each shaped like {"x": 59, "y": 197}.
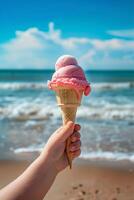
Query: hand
{"x": 37, "y": 179}
{"x": 55, "y": 147}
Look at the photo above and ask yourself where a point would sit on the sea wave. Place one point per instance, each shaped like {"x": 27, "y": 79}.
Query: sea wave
{"x": 91, "y": 156}
{"x": 109, "y": 156}
{"x": 22, "y": 85}
{"x": 112, "y": 86}
{"x": 27, "y": 111}
{"x": 39, "y": 85}
{"x": 30, "y": 149}
{"x": 43, "y": 106}
{"x": 44, "y": 111}
{"x": 107, "y": 112}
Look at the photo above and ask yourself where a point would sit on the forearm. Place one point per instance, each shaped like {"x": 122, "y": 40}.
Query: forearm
{"x": 36, "y": 180}
{"x": 32, "y": 184}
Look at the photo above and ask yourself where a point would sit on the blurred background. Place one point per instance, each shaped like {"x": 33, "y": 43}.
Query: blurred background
{"x": 33, "y": 34}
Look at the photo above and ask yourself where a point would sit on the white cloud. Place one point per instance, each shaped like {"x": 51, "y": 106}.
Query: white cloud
{"x": 34, "y": 48}
{"x": 128, "y": 33}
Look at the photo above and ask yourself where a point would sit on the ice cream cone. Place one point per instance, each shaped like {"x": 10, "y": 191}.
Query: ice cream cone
{"x": 70, "y": 83}
{"x": 68, "y": 101}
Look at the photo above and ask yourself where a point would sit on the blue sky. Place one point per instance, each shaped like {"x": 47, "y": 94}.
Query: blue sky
{"x": 99, "y": 33}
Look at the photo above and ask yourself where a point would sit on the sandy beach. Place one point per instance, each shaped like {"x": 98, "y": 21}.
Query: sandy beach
{"x": 83, "y": 182}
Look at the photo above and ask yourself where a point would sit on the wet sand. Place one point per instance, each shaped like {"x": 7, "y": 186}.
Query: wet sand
{"x": 83, "y": 182}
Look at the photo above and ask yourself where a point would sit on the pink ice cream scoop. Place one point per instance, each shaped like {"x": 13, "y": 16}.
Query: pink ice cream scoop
{"x": 69, "y": 74}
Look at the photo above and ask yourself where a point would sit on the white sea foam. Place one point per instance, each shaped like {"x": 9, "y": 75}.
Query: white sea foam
{"x": 26, "y": 110}
{"x": 30, "y": 149}
{"x": 38, "y": 85}
{"x": 112, "y": 86}
{"x": 115, "y": 156}
{"x": 22, "y": 85}
{"x": 108, "y": 156}
{"x": 44, "y": 107}
{"x": 107, "y": 112}
{"x": 21, "y": 110}
{"x": 91, "y": 156}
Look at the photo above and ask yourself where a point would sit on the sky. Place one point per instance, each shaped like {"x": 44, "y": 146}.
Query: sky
{"x": 34, "y": 33}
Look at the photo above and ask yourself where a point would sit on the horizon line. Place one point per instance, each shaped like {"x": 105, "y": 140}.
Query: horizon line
{"x": 50, "y": 69}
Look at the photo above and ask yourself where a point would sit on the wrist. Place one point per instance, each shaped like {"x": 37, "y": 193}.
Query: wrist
{"x": 47, "y": 164}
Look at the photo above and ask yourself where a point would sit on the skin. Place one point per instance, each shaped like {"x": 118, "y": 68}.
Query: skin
{"x": 36, "y": 180}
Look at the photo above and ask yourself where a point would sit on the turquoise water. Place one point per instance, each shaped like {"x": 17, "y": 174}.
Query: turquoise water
{"x": 44, "y": 75}
{"x": 29, "y": 114}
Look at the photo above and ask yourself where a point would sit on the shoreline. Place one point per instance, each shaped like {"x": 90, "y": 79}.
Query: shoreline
{"x": 28, "y": 157}
{"x": 123, "y": 165}
{"x": 85, "y": 181}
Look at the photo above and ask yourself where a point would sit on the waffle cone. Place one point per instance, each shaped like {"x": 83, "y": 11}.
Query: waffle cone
{"x": 68, "y": 101}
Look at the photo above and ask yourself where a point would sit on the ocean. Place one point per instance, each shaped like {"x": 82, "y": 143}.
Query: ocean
{"x": 29, "y": 115}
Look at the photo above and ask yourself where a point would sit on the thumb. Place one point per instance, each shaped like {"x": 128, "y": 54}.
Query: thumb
{"x": 65, "y": 131}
